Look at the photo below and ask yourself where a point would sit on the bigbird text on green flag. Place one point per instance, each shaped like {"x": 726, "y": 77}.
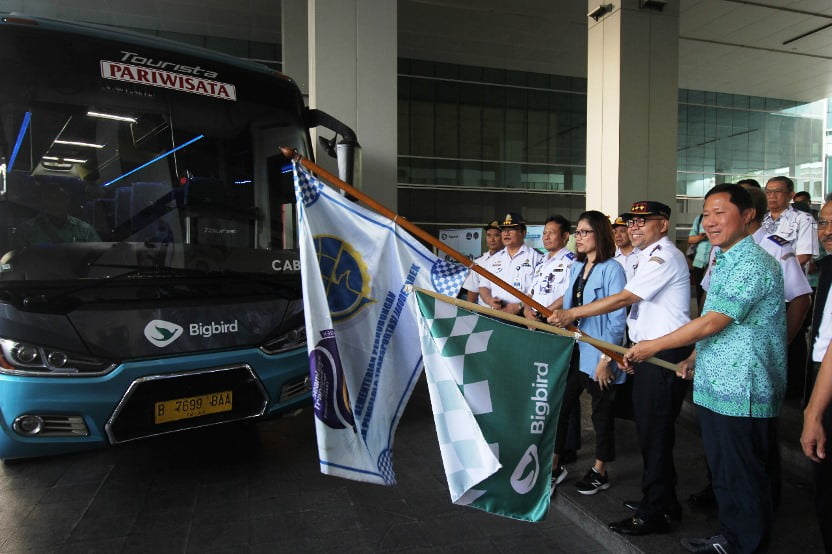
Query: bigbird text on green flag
{"x": 496, "y": 391}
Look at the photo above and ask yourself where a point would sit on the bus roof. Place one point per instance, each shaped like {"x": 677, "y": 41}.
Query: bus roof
{"x": 139, "y": 39}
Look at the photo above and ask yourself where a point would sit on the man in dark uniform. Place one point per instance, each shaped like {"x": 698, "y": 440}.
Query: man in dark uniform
{"x": 659, "y": 296}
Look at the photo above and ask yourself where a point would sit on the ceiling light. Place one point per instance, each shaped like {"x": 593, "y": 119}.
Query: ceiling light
{"x": 74, "y": 160}
{"x": 77, "y": 143}
{"x": 112, "y": 116}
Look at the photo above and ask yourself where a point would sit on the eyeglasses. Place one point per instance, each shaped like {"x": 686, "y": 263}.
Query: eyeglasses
{"x": 824, "y": 222}
{"x": 640, "y": 221}
{"x": 582, "y": 233}
{"x": 775, "y": 191}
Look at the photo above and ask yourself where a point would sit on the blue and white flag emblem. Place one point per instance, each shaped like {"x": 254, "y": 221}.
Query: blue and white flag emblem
{"x": 362, "y": 332}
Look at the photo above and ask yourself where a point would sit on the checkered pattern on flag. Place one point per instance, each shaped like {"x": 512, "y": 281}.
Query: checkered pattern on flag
{"x": 361, "y": 329}
{"x": 496, "y": 391}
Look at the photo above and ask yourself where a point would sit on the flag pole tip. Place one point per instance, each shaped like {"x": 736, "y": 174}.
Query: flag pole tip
{"x": 290, "y": 153}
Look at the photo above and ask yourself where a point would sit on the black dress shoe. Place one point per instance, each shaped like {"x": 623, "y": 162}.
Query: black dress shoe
{"x": 637, "y": 526}
{"x": 673, "y": 515}
{"x": 704, "y": 498}
{"x": 632, "y": 505}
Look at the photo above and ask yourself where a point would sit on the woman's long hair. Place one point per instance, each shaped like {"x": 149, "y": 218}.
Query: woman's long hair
{"x": 604, "y": 243}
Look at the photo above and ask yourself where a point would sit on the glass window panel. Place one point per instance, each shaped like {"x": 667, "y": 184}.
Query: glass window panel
{"x": 422, "y": 68}
{"x": 515, "y": 139}
{"x": 470, "y": 73}
{"x": 422, "y": 131}
{"x": 538, "y": 136}
{"x": 447, "y": 130}
{"x": 517, "y": 78}
{"x": 538, "y": 80}
{"x": 447, "y": 70}
{"x": 696, "y": 96}
{"x": 493, "y": 132}
{"x": 723, "y": 99}
{"x": 470, "y": 132}
{"x": 403, "y": 131}
{"x": 494, "y": 75}
{"x": 756, "y": 103}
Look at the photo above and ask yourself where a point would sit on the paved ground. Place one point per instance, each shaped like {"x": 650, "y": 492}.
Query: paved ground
{"x": 795, "y": 527}
{"x": 255, "y": 488}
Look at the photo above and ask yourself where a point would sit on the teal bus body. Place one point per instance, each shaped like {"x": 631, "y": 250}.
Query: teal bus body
{"x": 149, "y": 280}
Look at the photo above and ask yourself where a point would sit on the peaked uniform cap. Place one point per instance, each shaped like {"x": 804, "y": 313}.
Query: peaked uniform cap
{"x": 512, "y": 219}
{"x": 647, "y": 207}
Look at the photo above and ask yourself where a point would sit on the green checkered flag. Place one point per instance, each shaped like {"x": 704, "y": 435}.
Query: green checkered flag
{"x": 496, "y": 391}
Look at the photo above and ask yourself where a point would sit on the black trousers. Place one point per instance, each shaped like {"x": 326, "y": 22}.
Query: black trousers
{"x": 603, "y": 414}
{"x": 657, "y": 399}
{"x": 737, "y": 449}
{"x": 823, "y": 483}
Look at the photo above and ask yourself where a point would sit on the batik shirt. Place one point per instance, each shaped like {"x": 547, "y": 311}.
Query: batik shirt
{"x": 741, "y": 370}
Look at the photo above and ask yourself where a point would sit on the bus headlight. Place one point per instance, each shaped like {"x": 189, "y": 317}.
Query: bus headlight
{"x": 20, "y": 358}
{"x": 290, "y": 340}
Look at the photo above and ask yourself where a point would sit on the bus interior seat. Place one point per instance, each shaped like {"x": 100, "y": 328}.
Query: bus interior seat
{"x": 123, "y": 204}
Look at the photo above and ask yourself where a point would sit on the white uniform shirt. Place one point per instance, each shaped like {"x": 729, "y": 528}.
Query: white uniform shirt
{"x": 628, "y": 261}
{"x": 824, "y": 332}
{"x": 794, "y": 280}
{"x": 517, "y": 271}
{"x": 662, "y": 281}
{"x": 551, "y": 277}
{"x": 472, "y": 281}
{"x": 796, "y": 227}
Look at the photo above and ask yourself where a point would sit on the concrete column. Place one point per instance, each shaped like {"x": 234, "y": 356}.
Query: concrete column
{"x": 352, "y": 76}
{"x": 632, "y": 98}
{"x": 295, "y": 41}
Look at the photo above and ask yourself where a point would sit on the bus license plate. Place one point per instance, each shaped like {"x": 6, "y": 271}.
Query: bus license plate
{"x": 192, "y": 406}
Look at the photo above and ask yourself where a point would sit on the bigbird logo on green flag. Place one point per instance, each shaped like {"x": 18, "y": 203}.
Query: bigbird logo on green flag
{"x": 496, "y": 391}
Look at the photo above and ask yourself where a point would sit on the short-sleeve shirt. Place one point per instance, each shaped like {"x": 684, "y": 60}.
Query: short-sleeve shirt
{"x": 741, "y": 370}
{"x": 472, "y": 281}
{"x": 662, "y": 281}
{"x": 628, "y": 261}
{"x": 551, "y": 277}
{"x": 795, "y": 227}
{"x": 703, "y": 247}
{"x": 824, "y": 336}
{"x": 517, "y": 271}
{"x": 795, "y": 282}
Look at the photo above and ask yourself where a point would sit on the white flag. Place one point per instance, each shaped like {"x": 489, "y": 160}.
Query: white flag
{"x": 362, "y": 334}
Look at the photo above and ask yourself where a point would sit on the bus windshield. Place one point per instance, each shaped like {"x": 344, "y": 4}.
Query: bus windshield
{"x": 117, "y": 158}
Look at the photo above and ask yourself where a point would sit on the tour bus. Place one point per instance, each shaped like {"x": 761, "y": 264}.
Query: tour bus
{"x": 149, "y": 278}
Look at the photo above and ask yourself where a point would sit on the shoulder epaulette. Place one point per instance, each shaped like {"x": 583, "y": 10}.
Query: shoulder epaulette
{"x": 777, "y": 239}
{"x": 570, "y": 255}
{"x": 655, "y": 249}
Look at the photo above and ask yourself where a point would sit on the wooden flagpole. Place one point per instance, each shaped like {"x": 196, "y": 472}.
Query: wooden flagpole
{"x": 597, "y": 343}
{"x": 292, "y": 154}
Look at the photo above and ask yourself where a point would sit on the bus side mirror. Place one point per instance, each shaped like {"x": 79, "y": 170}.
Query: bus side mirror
{"x": 348, "y": 154}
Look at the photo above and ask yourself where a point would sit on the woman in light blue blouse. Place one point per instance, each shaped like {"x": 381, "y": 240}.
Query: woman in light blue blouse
{"x": 594, "y": 275}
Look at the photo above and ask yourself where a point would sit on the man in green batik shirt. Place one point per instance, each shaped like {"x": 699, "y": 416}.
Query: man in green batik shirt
{"x": 53, "y": 224}
{"x": 740, "y": 376}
